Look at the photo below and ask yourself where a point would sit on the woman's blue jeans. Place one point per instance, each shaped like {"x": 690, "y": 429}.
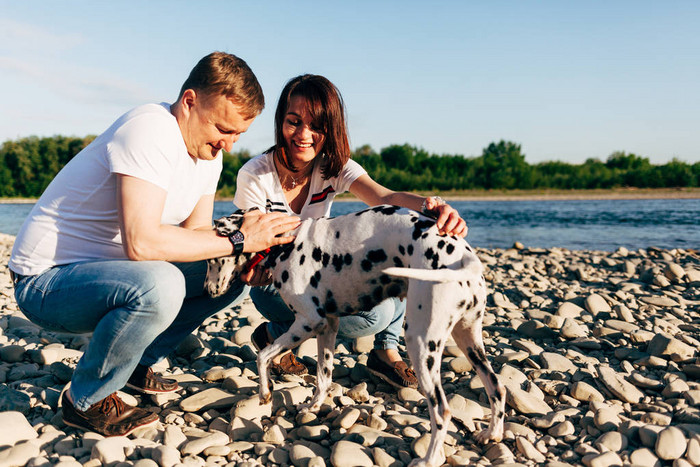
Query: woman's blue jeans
{"x": 384, "y": 320}
{"x": 138, "y": 312}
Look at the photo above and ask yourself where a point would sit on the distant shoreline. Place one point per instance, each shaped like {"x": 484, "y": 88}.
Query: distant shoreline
{"x": 518, "y": 195}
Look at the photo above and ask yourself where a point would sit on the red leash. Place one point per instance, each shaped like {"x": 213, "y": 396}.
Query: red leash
{"x": 256, "y": 259}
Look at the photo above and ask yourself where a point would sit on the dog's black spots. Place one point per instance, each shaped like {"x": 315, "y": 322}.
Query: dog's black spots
{"x": 397, "y": 262}
{"x": 285, "y": 276}
{"x": 461, "y": 304}
{"x": 394, "y": 290}
{"x": 366, "y": 265}
{"x": 277, "y": 284}
{"x": 348, "y": 259}
{"x": 384, "y": 279}
{"x": 405, "y": 325}
{"x": 302, "y": 258}
{"x": 292, "y": 308}
{"x": 286, "y": 251}
{"x": 420, "y": 306}
{"x": 326, "y": 259}
{"x": 296, "y": 338}
{"x": 429, "y": 253}
{"x": 469, "y": 249}
{"x": 313, "y": 282}
{"x": 493, "y": 379}
{"x": 432, "y": 346}
{"x": 441, "y": 244}
{"x": 476, "y": 301}
{"x": 402, "y": 250}
{"x": 450, "y": 248}
{"x": 327, "y": 372}
{"x": 337, "y": 262}
{"x": 307, "y": 328}
{"x": 337, "y": 235}
{"x": 388, "y": 210}
{"x": 316, "y": 301}
{"x": 441, "y": 401}
{"x": 327, "y": 355}
{"x": 469, "y": 284}
{"x": 300, "y": 246}
{"x": 376, "y": 256}
{"x": 477, "y": 360}
{"x": 321, "y": 312}
{"x": 331, "y": 307}
{"x": 378, "y": 294}
{"x": 348, "y": 311}
{"x": 317, "y": 254}
{"x": 409, "y": 250}
{"x": 366, "y": 302}
{"x": 433, "y": 401}
{"x": 430, "y": 362}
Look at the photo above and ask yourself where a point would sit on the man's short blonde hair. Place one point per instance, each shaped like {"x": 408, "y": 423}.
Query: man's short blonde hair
{"x": 221, "y": 73}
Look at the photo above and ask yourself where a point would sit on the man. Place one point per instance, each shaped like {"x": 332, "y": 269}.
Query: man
{"x": 117, "y": 243}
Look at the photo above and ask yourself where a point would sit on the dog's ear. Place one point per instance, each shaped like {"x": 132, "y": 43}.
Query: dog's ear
{"x": 228, "y": 224}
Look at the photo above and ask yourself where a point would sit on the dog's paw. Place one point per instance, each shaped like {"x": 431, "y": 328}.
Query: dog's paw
{"x": 489, "y": 435}
{"x": 265, "y": 398}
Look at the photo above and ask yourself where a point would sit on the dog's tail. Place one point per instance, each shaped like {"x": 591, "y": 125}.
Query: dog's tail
{"x": 431, "y": 275}
{"x": 469, "y": 270}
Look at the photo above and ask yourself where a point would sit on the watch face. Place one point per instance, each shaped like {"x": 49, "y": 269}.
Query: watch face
{"x": 236, "y": 237}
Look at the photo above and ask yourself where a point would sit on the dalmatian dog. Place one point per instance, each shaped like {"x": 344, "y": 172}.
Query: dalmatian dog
{"x": 338, "y": 266}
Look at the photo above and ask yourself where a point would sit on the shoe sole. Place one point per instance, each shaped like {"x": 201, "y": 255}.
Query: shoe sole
{"x": 386, "y": 379}
{"x": 85, "y": 428}
{"x": 151, "y": 392}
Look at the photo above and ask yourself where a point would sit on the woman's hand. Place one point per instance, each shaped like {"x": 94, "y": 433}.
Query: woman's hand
{"x": 257, "y": 276}
{"x": 448, "y": 220}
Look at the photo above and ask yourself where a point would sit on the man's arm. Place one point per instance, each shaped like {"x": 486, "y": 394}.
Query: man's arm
{"x": 141, "y": 204}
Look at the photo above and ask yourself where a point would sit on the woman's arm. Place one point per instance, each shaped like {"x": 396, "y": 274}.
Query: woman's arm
{"x": 372, "y": 193}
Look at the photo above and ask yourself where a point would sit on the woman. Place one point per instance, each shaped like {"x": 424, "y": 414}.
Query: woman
{"x": 301, "y": 174}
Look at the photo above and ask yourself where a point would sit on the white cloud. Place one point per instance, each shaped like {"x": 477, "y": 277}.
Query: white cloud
{"x": 41, "y": 58}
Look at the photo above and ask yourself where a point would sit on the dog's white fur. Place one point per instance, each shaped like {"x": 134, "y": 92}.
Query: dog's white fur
{"x": 341, "y": 265}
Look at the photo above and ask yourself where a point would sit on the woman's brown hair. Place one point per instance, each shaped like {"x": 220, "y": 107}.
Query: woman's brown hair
{"x": 325, "y": 104}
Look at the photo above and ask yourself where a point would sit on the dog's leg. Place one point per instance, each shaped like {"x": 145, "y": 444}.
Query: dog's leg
{"x": 467, "y": 335}
{"x": 427, "y": 325}
{"x": 324, "y": 373}
{"x": 301, "y": 330}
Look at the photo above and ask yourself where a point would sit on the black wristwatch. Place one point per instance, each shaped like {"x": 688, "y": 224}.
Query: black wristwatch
{"x": 236, "y": 238}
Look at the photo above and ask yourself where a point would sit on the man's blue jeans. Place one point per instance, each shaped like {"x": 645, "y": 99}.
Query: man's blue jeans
{"x": 384, "y": 320}
{"x": 138, "y": 312}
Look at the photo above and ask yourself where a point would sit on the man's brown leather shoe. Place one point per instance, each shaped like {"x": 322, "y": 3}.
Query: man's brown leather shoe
{"x": 145, "y": 381}
{"x": 108, "y": 417}
{"x": 288, "y": 365}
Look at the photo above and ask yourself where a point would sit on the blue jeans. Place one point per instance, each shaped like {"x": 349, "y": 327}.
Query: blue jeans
{"x": 384, "y": 320}
{"x": 138, "y": 312}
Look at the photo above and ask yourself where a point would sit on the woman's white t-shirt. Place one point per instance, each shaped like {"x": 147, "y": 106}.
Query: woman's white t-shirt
{"x": 76, "y": 218}
{"x": 259, "y": 186}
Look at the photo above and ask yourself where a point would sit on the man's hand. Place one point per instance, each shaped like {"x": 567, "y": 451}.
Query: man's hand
{"x": 261, "y": 230}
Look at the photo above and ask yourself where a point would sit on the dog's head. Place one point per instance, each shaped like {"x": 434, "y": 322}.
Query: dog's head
{"x": 221, "y": 272}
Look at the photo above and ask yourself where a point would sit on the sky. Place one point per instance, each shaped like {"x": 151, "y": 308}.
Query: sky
{"x": 567, "y": 81}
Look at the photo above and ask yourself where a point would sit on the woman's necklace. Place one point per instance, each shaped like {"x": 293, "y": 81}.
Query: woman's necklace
{"x": 294, "y": 181}
{"x": 291, "y": 182}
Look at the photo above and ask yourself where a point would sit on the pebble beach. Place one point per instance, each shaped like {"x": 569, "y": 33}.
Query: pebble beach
{"x": 599, "y": 352}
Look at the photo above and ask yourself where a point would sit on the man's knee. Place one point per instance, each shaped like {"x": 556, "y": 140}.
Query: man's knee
{"x": 160, "y": 287}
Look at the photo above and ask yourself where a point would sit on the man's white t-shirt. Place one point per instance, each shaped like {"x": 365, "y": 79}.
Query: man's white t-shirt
{"x": 76, "y": 218}
{"x": 259, "y": 186}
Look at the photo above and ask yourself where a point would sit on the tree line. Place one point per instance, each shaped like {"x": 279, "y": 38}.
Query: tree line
{"x": 27, "y": 165}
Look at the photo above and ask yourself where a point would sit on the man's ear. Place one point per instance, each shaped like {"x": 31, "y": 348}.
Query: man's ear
{"x": 188, "y": 99}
